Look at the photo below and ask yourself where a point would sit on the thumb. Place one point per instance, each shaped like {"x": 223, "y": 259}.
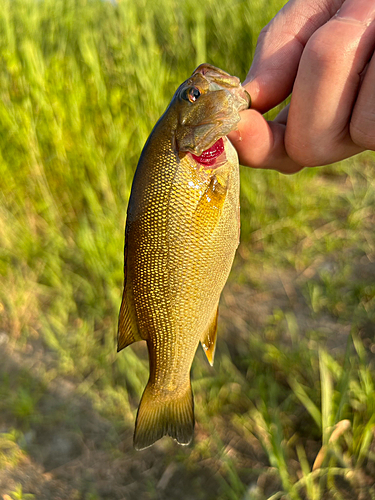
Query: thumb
{"x": 279, "y": 49}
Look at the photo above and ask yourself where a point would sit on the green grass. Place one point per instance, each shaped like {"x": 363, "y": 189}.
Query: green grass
{"x": 81, "y": 85}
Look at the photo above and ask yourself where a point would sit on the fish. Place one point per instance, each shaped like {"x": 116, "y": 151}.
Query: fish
{"x": 182, "y": 231}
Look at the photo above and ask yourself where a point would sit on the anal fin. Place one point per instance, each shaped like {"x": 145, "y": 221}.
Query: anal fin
{"x": 208, "y": 339}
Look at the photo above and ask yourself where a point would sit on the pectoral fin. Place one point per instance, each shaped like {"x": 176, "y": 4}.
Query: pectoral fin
{"x": 208, "y": 339}
{"x": 210, "y": 206}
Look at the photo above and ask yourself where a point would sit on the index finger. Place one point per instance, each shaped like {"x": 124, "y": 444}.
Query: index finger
{"x": 279, "y": 49}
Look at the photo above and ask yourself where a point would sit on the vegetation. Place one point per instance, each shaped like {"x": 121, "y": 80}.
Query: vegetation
{"x": 288, "y": 411}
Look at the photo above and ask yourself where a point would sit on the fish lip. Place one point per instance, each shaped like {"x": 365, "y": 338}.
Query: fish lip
{"x": 212, "y": 73}
{"x": 221, "y": 80}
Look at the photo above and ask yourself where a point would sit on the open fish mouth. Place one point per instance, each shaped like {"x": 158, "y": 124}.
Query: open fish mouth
{"x": 208, "y": 157}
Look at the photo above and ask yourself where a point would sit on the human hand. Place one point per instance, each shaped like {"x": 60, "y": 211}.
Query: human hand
{"x": 324, "y": 51}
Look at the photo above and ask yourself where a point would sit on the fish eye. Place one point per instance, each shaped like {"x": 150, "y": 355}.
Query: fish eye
{"x": 190, "y": 94}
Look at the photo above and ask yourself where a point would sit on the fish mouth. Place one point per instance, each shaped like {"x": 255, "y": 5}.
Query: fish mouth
{"x": 219, "y": 80}
{"x": 208, "y": 157}
{"x": 213, "y": 112}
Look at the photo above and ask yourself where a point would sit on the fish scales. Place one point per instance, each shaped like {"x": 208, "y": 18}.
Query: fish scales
{"x": 182, "y": 232}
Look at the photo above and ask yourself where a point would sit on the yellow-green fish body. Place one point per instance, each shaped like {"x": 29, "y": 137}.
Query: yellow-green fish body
{"x": 182, "y": 232}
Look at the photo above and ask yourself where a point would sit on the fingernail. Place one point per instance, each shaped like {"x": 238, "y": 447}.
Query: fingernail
{"x": 252, "y": 87}
{"x": 362, "y": 11}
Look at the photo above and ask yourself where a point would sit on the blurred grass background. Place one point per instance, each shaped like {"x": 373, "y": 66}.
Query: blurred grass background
{"x": 82, "y": 83}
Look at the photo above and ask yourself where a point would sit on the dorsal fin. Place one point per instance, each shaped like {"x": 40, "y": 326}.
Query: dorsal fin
{"x": 208, "y": 339}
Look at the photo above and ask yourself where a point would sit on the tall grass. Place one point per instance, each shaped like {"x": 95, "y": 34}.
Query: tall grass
{"x": 82, "y": 83}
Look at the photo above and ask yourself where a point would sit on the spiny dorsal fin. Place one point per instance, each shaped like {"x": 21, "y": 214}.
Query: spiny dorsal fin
{"x": 208, "y": 339}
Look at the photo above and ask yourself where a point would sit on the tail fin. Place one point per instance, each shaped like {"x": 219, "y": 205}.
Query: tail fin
{"x": 157, "y": 418}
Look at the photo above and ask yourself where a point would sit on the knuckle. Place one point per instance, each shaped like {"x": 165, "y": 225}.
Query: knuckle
{"x": 362, "y": 129}
{"x": 306, "y": 153}
{"x": 321, "y": 52}
{"x": 292, "y": 168}
{"x": 264, "y": 35}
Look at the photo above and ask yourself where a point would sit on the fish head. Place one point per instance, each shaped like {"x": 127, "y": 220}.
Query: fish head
{"x": 207, "y": 107}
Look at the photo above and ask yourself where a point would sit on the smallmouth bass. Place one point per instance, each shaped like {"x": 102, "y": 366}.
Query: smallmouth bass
{"x": 182, "y": 232}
